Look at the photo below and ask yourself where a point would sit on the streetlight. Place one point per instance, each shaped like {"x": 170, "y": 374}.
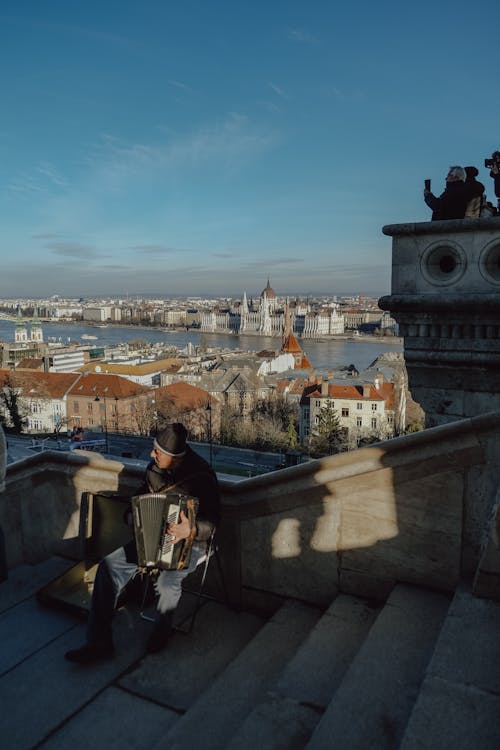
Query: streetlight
{"x": 208, "y": 409}
{"x": 105, "y": 419}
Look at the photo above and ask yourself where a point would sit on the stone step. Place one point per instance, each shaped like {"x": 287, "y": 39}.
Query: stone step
{"x": 28, "y": 627}
{"x": 178, "y": 675}
{"x": 49, "y": 689}
{"x": 219, "y": 712}
{"x": 115, "y": 719}
{"x": 299, "y": 697}
{"x": 459, "y": 702}
{"x": 372, "y": 705}
{"x": 25, "y": 580}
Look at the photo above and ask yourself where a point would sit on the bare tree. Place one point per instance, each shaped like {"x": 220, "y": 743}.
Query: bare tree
{"x": 14, "y": 411}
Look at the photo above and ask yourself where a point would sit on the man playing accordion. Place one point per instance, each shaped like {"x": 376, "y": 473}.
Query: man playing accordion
{"x": 174, "y": 464}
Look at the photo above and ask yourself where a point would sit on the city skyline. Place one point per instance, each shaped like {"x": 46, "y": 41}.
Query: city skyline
{"x": 197, "y": 150}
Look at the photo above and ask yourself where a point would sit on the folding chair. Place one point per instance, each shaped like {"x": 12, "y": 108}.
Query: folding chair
{"x": 211, "y": 551}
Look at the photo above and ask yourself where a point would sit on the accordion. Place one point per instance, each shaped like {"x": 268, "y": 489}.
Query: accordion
{"x": 152, "y": 513}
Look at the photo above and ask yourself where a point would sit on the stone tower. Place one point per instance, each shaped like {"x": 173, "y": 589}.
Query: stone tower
{"x": 36, "y": 328}
{"x": 445, "y": 295}
{"x": 21, "y": 333}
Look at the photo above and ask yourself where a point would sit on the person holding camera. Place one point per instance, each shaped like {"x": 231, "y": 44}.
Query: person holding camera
{"x": 493, "y": 165}
{"x": 452, "y": 203}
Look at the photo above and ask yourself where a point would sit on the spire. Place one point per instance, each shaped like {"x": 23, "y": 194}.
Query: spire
{"x": 288, "y": 325}
{"x": 244, "y": 304}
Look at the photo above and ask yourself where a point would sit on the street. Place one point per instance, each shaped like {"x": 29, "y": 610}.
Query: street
{"x": 222, "y": 457}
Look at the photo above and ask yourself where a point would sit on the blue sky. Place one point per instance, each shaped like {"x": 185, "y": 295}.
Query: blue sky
{"x": 195, "y": 148}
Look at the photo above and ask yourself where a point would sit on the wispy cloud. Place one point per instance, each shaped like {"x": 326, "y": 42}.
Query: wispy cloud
{"x": 302, "y": 36}
{"x": 48, "y": 171}
{"x": 48, "y": 236}
{"x": 24, "y": 184}
{"x": 43, "y": 178}
{"x": 225, "y": 144}
{"x": 277, "y": 90}
{"x": 157, "y": 249}
{"x": 72, "y": 250}
{"x": 182, "y": 86}
{"x": 346, "y": 96}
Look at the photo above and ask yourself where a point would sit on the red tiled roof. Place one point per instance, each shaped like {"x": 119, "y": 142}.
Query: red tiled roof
{"x": 185, "y": 395}
{"x": 353, "y": 392}
{"x": 108, "y": 386}
{"x": 39, "y": 384}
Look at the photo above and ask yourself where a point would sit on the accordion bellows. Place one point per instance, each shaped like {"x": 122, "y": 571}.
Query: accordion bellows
{"x": 152, "y": 513}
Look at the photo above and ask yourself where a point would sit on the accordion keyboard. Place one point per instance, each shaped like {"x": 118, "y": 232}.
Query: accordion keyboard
{"x": 167, "y": 546}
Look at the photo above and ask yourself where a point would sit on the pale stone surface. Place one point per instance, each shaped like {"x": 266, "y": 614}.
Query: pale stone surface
{"x": 374, "y": 701}
{"x": 217, "y": 638}
{"x": 468, "y": 649}
{"x": 114, "y": 720}
{"x": 42, "y": 691}
{"x": 316, "y": 670}
{"x": 20, "y": 639}
{"x": 453, "y": 717}
{"x": 279, "y": 724}
{"x": 295, "y": 702}
{"x": 25, "y": 580}
{"x": 230, "y": 698}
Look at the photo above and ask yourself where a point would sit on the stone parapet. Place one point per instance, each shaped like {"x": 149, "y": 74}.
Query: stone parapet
{"x": 415, "y": 509}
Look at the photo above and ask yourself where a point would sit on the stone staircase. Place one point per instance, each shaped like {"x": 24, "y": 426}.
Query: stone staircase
{"x": 420, "y": 671}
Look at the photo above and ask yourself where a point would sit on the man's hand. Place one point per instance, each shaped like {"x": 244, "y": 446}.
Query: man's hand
{"x": 181, "y": 530}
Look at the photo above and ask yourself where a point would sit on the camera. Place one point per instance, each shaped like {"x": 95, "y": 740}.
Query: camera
{"x": 494, "y": 161}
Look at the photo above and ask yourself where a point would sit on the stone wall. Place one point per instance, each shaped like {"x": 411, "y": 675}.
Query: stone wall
{"x": 413, "y": 509}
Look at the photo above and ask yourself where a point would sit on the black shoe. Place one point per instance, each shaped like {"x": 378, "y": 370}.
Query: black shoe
{"x": 90, "y": 653}
{"x": 158, "y": 638}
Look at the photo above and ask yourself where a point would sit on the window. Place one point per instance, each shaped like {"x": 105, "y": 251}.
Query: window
{"x": 374, "y": 422}
{"x": 359, "y": 405}
{"x": 76, "y": 407}
{"x": 89, "y": 407}
{"x": 318, "y": 403}
{"x": 359, "y": 422}
{"x": 345, "y": 412}
{"x": 374, "y": 407}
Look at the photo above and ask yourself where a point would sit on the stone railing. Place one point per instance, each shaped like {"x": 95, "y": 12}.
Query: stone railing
{"x": 413, "y": 509}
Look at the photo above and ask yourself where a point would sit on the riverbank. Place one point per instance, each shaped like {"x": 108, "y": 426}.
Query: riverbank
{"x": 361, "y": 337}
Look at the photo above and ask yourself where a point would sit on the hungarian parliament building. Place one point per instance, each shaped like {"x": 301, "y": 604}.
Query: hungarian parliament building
{"x": 267, "y": 317}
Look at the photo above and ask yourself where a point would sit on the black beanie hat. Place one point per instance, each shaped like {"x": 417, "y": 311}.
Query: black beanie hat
{"x": 172, "y": 440}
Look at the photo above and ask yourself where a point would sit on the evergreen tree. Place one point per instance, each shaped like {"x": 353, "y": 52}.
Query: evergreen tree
{"x": 328, "y": 436}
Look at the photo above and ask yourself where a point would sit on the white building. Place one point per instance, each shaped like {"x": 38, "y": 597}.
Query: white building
{"x": 364, "y": 411}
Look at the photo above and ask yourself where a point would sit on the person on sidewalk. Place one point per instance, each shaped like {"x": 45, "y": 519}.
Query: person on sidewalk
{"x": 173, "y": 463}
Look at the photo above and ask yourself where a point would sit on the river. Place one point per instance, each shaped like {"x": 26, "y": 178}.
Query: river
{"x": 327, "y": 354}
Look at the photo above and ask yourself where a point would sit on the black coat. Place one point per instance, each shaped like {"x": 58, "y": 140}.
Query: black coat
{"x": 194, "y": 476}
{"x": 451, "y": 204}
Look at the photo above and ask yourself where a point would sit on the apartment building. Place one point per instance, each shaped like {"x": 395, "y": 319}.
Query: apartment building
{"x": 364, "y": 410}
